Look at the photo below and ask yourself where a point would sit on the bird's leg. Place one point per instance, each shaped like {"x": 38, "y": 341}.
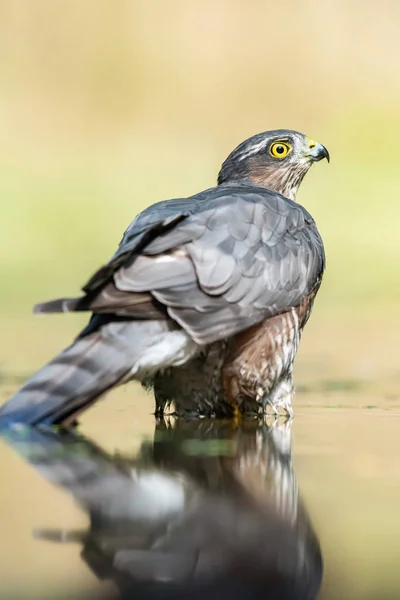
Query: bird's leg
{"x": 231, "y": 392}
{"x": 270, "y": 402}
{"x": 265, "y": 400}
{"x": 159, "y": 412}
{"x": 161, "y": 399}
{"x": 282, "y": 394}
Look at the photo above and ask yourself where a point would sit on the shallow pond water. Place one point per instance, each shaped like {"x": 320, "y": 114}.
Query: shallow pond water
{"x": 126, "y": 491}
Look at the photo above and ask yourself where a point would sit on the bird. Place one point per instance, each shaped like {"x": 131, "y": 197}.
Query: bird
{"x": 204, "y": 301}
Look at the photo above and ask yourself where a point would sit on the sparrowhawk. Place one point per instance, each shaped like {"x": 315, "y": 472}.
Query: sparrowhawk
{"x": 204, "y": 300}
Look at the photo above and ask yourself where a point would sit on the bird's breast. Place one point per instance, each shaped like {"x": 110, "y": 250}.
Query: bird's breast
{"x": 262, "y": 355}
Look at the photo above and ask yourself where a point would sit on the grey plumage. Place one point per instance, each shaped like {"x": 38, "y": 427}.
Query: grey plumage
{"x": 93, "y": 364}
{"x": 203, "y": 269}
{"x": 276, "y": 258}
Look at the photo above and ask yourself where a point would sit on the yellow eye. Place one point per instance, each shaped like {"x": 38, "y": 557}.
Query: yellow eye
{"x": 280, "y": 149}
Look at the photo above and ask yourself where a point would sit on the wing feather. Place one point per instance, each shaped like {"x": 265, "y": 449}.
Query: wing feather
{"x": 235, "y": 272}
{"x": 216, "y": 263}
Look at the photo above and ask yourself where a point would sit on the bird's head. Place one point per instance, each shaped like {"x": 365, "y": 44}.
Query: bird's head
{"x": 277, "y": 160}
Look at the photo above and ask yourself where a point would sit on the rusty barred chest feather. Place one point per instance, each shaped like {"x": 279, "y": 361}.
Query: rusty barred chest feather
{"x": 246, "y": 373}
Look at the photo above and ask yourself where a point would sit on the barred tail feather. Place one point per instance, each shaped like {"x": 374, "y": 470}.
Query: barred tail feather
{"x": 58, "y": 306}
{"x": 74, "y": 379}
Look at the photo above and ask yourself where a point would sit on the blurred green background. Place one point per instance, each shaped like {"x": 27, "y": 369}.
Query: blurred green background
{"x": 107, "y": 107}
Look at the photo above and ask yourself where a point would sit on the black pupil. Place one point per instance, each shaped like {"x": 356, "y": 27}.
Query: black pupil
{"x": 280, "y": 149}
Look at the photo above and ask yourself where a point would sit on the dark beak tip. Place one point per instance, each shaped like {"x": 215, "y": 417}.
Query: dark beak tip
{"x": 321, "y": 153}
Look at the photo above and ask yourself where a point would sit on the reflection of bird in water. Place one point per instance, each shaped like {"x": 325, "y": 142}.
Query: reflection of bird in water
{"x": 207, "y": 509}
{"x": 205, "y": 299}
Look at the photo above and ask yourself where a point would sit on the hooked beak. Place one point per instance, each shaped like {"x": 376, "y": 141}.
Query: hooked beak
{"x": 316, "y": 151}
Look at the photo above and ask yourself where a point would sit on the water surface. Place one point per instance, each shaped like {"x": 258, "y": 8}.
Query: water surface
{"x": 329, "y": 481}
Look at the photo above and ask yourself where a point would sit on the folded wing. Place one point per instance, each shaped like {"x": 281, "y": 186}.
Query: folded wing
{"x": 216, "y": 264}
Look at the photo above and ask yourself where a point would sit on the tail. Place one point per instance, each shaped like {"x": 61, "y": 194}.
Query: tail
{"x": 60, "y": 305}
{"x": 75, "y": 378}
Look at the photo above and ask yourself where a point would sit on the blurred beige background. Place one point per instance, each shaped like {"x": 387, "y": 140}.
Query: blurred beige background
{"x": 107, "y": 107}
